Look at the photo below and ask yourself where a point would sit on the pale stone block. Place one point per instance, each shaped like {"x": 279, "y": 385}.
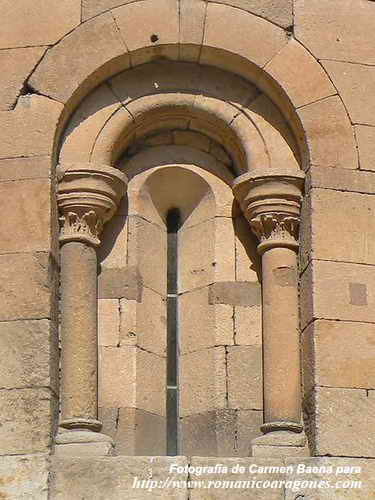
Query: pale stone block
{"x": 224, "y": 29}
{"x": 151, "y": 383}
{"x": 27, "y": 24}
{"x": 245, "y": 388}
{"x": 366, "y": 146}
{"x": 141, "y": 25}
{"x": 93, "y": 44}
{"x": 346, "y": 218}
{"x": 280, "y": 12}
{"x": 342, "y": 354}
{"x": 29, "y": 354}
{"x": 335, "y": 290}
{"x": 331, "y": 138}
{"x": 224, "y": 269}
{"x": 224, "y": 324}
{"x": 147, "y": 249}
{"x": 108, "y": 322}
{"x": 120, "y": 283}
{"x": 26, "y": 215}
{"x": 112, "y": 252}
{"x": 100, "y": 449}
{"x": 341, "y": 179}
{"x": 343, "y": 39}
{"x": 355, "y": 84}
{"x": 25, "y": 477}
{"x": 109, "y": 418}
{"x": 128, "y": 322}
{"x": 197, "y": 270}
{"x": 151, "y": 323}
{"x": 192, "y": 18}
{"x": 235, "y": 293}
{"x": 202, "y": 381}
{"x": 344, "y": 422}
{"x": 115, "y": 476}
{"x": 25, "y": 168}
{"x": 18, "y": 301}
{"x": 295, "y": 69}
{"x": 29, "y": 129}
{"x": 17, "y": 64}
{"x": 247, "y": 258}
{"x": 248, "y": 325}
{"x": 117, "y": 376}
{"x": 27, "y": 417}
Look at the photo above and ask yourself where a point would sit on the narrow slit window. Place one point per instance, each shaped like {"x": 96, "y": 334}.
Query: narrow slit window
{"x": 173, "y": 223}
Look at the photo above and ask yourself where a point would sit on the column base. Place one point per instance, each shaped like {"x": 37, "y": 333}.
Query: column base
{"x": 281, "y": 443}
{"x": 82, "y": 443}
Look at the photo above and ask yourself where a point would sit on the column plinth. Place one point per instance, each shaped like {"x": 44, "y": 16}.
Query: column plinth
{"x": 271, "y": 203}
{"x": 88, "y": 196}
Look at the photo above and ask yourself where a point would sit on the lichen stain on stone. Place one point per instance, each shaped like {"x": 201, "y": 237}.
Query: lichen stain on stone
{"x": 285, "y": 276}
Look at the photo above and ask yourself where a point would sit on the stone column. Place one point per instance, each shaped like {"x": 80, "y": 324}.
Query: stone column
{"x": 88, "y": 196}
{"x": 271, "y": 202}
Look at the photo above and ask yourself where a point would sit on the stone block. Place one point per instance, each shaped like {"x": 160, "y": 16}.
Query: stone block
{"x": 91, "y": 8}
{"x": 245, "y": 387}
{"x": 344, "y": 422}
{"x": 295, "y": 69}
{"x": 24, "y": 477}
{"x": 224, "y": 28}
{"x": 99, "y": 52}
{"x": 25, "y": 168}
{"x": 120, "y": 283}
{"x": 224, "y": 324}
{"x": 17, "y": 64}
{"x": 30, "y": 354}
{"x": 141, "y": 25}
{"x": 247, "y": 258}
{"x": 108, "y": 322}
{"x": 140, "y": 433}
{"x": 346, "y": 218}
{"x": 355, "y": 83}
{"x": 280, "y": 12}
{"x": 235, "y": 293}
{"x": 18, "y": 301}
{"x": 342, "y": 354}
{"x": 128, "y": 322}
{"x": 27, "y": 215}
{"x": 224, "y": 268}
{"x": 151, "y": 383}
{"x": 197, "y": 270}
{"x": 27, "y": 417}
{"x": 115, "y": 478}
{"x": 33, "y": 24}
{"x": 341, "y": 179}
{"x": 29, "y": 129}
{"x": 366, "y": 146}
{"x": 331, "y": 138}
{"x": 151, "y": 323}
{"x": 117, "y": 377}
{"x": 109, "y": 418}
{"x": 343, "y": 39}
{"x": 100, "y": 449}
{"x": 338, "y": 291}
{"x": 192, "y": 19}
{"x": 248, "y": 325}
{"x": 202, "y": 381}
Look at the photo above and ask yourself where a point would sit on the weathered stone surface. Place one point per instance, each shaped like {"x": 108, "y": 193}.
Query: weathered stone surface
{"x": 91, "y": 8}
{"x": 18, "y": 301}
{"x": 28, "y": 24}
{"x": 280, "y": 12}
{"x": 26, "y": 215}
{"x": 202, "y": 381}
{"x": 29, "y": 354}
{"x": 224, "y": 268}
{"x": 109, "y": 418}
{"x": 151, "y": 327}
{"x": 27, "y": 417}
{"x": 192, "y": 19}
{"x": 224, "y": 28}
{"x": 29, "y": 129}
{"x": 341, "y": 428}
{"x": 108, "y": 322}
{"x": 118, "y": 474}
{"x": 120, "y": 283}
{"x": 331, "y": 140}
{"x": 128, "y": 322}
{"x": 355, "y": 84}
{"x": 295, "y": 69}
{"x": 343, "y": 37}
{"x": 335, "y": 290}
{"x": 98, "y": 51}
{"x": 248, "y": 325}
{"x": 25, "y": 168}
{"x": 344, "y": 217}
{"x": 245, "y": 389}
{"x": 235, "y": 293}
{"x": 341, "y": 179}
{"x": 17, "y": 64}
{"x": 342, "y": 354}
{"x": 117, "y": 377}
{"x": 24, "y": 477}
{"x": 247, "y": 258}
{"x": 366, "y": 146}
{"x": 224, "y": 324}
{"x": 151, "y": 378}
{"x": 92, "y": 449}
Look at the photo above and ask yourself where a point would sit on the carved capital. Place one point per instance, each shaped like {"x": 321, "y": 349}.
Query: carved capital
{"x": 271, "y": 202}
{"x": 87, "y": 197}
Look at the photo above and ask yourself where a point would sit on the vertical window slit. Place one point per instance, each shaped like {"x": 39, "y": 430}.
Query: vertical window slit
{"x": 173, "y": 223}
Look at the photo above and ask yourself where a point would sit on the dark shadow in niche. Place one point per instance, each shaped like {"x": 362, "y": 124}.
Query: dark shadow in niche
{"x": 112, "y": 230}
{"x": 247, "y": 239}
